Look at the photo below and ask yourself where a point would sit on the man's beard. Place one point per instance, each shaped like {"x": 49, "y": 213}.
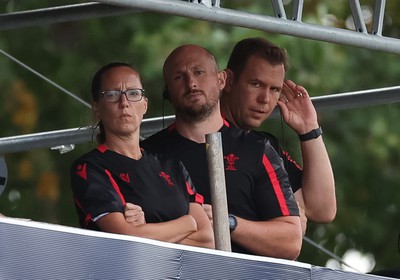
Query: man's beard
{"x": 196, "y": 113}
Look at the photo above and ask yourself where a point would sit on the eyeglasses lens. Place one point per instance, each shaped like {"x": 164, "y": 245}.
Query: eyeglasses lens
{"x": 132, "y": 95}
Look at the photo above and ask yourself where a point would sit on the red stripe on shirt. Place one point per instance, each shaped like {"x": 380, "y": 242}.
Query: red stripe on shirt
{"x": 291, "y": 160}
{"x": 276, "y": 185}
{"x": 198, "y": 198}
{"x": 115, "y": 186}
{"x": 226, "y": 123}
{"x": 171, "y": 127}
{"x": 88, "y": 217}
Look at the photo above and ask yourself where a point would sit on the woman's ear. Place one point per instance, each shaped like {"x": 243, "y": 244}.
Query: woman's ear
{"x": 145, "y": 104}
{"x": 95, "y": 110}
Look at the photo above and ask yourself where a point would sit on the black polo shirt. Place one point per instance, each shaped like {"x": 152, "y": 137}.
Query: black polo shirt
{"x": 257, "y": 184}
{"x": 103, "y": 181}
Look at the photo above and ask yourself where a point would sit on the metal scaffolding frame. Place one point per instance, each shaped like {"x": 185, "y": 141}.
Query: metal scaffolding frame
{"x": 279, "y": 24}
{"x": 210, "y": 10}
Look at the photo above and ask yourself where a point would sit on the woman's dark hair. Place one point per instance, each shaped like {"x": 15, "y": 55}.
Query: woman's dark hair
{"x": 259, "y": 47}
{"x": 98, "y": 77}
{"x": 96, "y": 86}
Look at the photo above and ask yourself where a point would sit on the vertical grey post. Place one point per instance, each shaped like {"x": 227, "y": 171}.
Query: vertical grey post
{"x": 3, "y": 174}
{"x": 218, "y": 192}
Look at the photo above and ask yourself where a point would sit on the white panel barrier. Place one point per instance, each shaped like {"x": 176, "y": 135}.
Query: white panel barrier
{"x": 33, "y": 250}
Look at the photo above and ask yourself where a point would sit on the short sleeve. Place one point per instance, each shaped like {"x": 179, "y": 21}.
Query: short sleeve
{"x": 193, "y": 195}
{"x": 294, "y": 170}
{"x": 94, "y": 191}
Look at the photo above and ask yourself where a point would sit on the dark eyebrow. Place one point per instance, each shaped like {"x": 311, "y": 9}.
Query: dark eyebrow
{"x": 255, "y": 80}
{"x": 111, "y": 89}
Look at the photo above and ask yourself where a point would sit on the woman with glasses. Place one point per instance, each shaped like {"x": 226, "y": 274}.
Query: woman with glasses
{"x": 118, "y": 171}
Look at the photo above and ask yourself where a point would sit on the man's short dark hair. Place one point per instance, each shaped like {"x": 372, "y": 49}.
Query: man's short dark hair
{"x": 259, "y": 47}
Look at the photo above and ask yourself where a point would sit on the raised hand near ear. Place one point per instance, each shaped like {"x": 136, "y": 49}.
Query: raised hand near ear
{"x": 297, "y": 109}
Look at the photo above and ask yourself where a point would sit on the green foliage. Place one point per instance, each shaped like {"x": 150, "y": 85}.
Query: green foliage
{"x": 363, "y": 143}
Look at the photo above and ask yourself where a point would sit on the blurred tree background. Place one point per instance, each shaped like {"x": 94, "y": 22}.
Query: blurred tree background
{"x": 363, "y": 143}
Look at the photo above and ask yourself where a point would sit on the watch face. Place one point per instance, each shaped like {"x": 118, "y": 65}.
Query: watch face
{"x": 232, "y": 222}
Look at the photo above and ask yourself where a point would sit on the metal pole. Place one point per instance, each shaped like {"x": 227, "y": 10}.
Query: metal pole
{"x": 279, "y": 10}
{"x": 218, "y": 192}
{"x": 354, "y": 99}
{"x": 56, "y": 138}
{"x": 48, "y": 139}
{"x": 379, "y": 14}
{"x": 60, "y": 14}
{"x": 45, "y": 78}
{"x": 358, "y": 19}
{"x": 3, "y": 174}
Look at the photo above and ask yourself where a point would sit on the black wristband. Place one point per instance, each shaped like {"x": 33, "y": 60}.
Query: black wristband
{"x": 313, "y": 134}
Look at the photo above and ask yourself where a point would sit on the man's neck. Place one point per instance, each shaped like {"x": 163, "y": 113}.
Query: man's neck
{"x": 227, "y": 115}
{"x": 196, "y": 131}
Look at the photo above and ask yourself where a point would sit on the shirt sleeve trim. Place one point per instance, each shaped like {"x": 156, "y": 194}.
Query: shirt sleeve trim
{"x": 276, "y": 186}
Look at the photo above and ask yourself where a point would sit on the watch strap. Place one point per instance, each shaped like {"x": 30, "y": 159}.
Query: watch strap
{"x": 313, "y": 134}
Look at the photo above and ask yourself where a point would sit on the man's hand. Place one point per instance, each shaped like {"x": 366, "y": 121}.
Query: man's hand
{"x": 208, "y": 210}
{"x": 297, "y": 109}
{"x": 134, "y": 214}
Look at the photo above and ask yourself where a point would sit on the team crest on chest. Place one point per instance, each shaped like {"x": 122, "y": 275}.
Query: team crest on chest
{"x": 167, "y": 178}
{"x": 230, "y": 160}
{"x": 125, "y": 177}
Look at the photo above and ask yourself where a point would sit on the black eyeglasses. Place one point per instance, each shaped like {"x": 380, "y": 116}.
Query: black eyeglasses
{"x": 114, "y": 96}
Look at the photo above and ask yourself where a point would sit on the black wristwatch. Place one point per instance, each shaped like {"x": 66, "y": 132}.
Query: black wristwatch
{"x": 313, "y": 134}
{"x": 232, "y": 222}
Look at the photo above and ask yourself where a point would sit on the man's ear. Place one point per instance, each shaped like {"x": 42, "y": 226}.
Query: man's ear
{"x": 229, "y": 80}
{"x": 222, "y": 79}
